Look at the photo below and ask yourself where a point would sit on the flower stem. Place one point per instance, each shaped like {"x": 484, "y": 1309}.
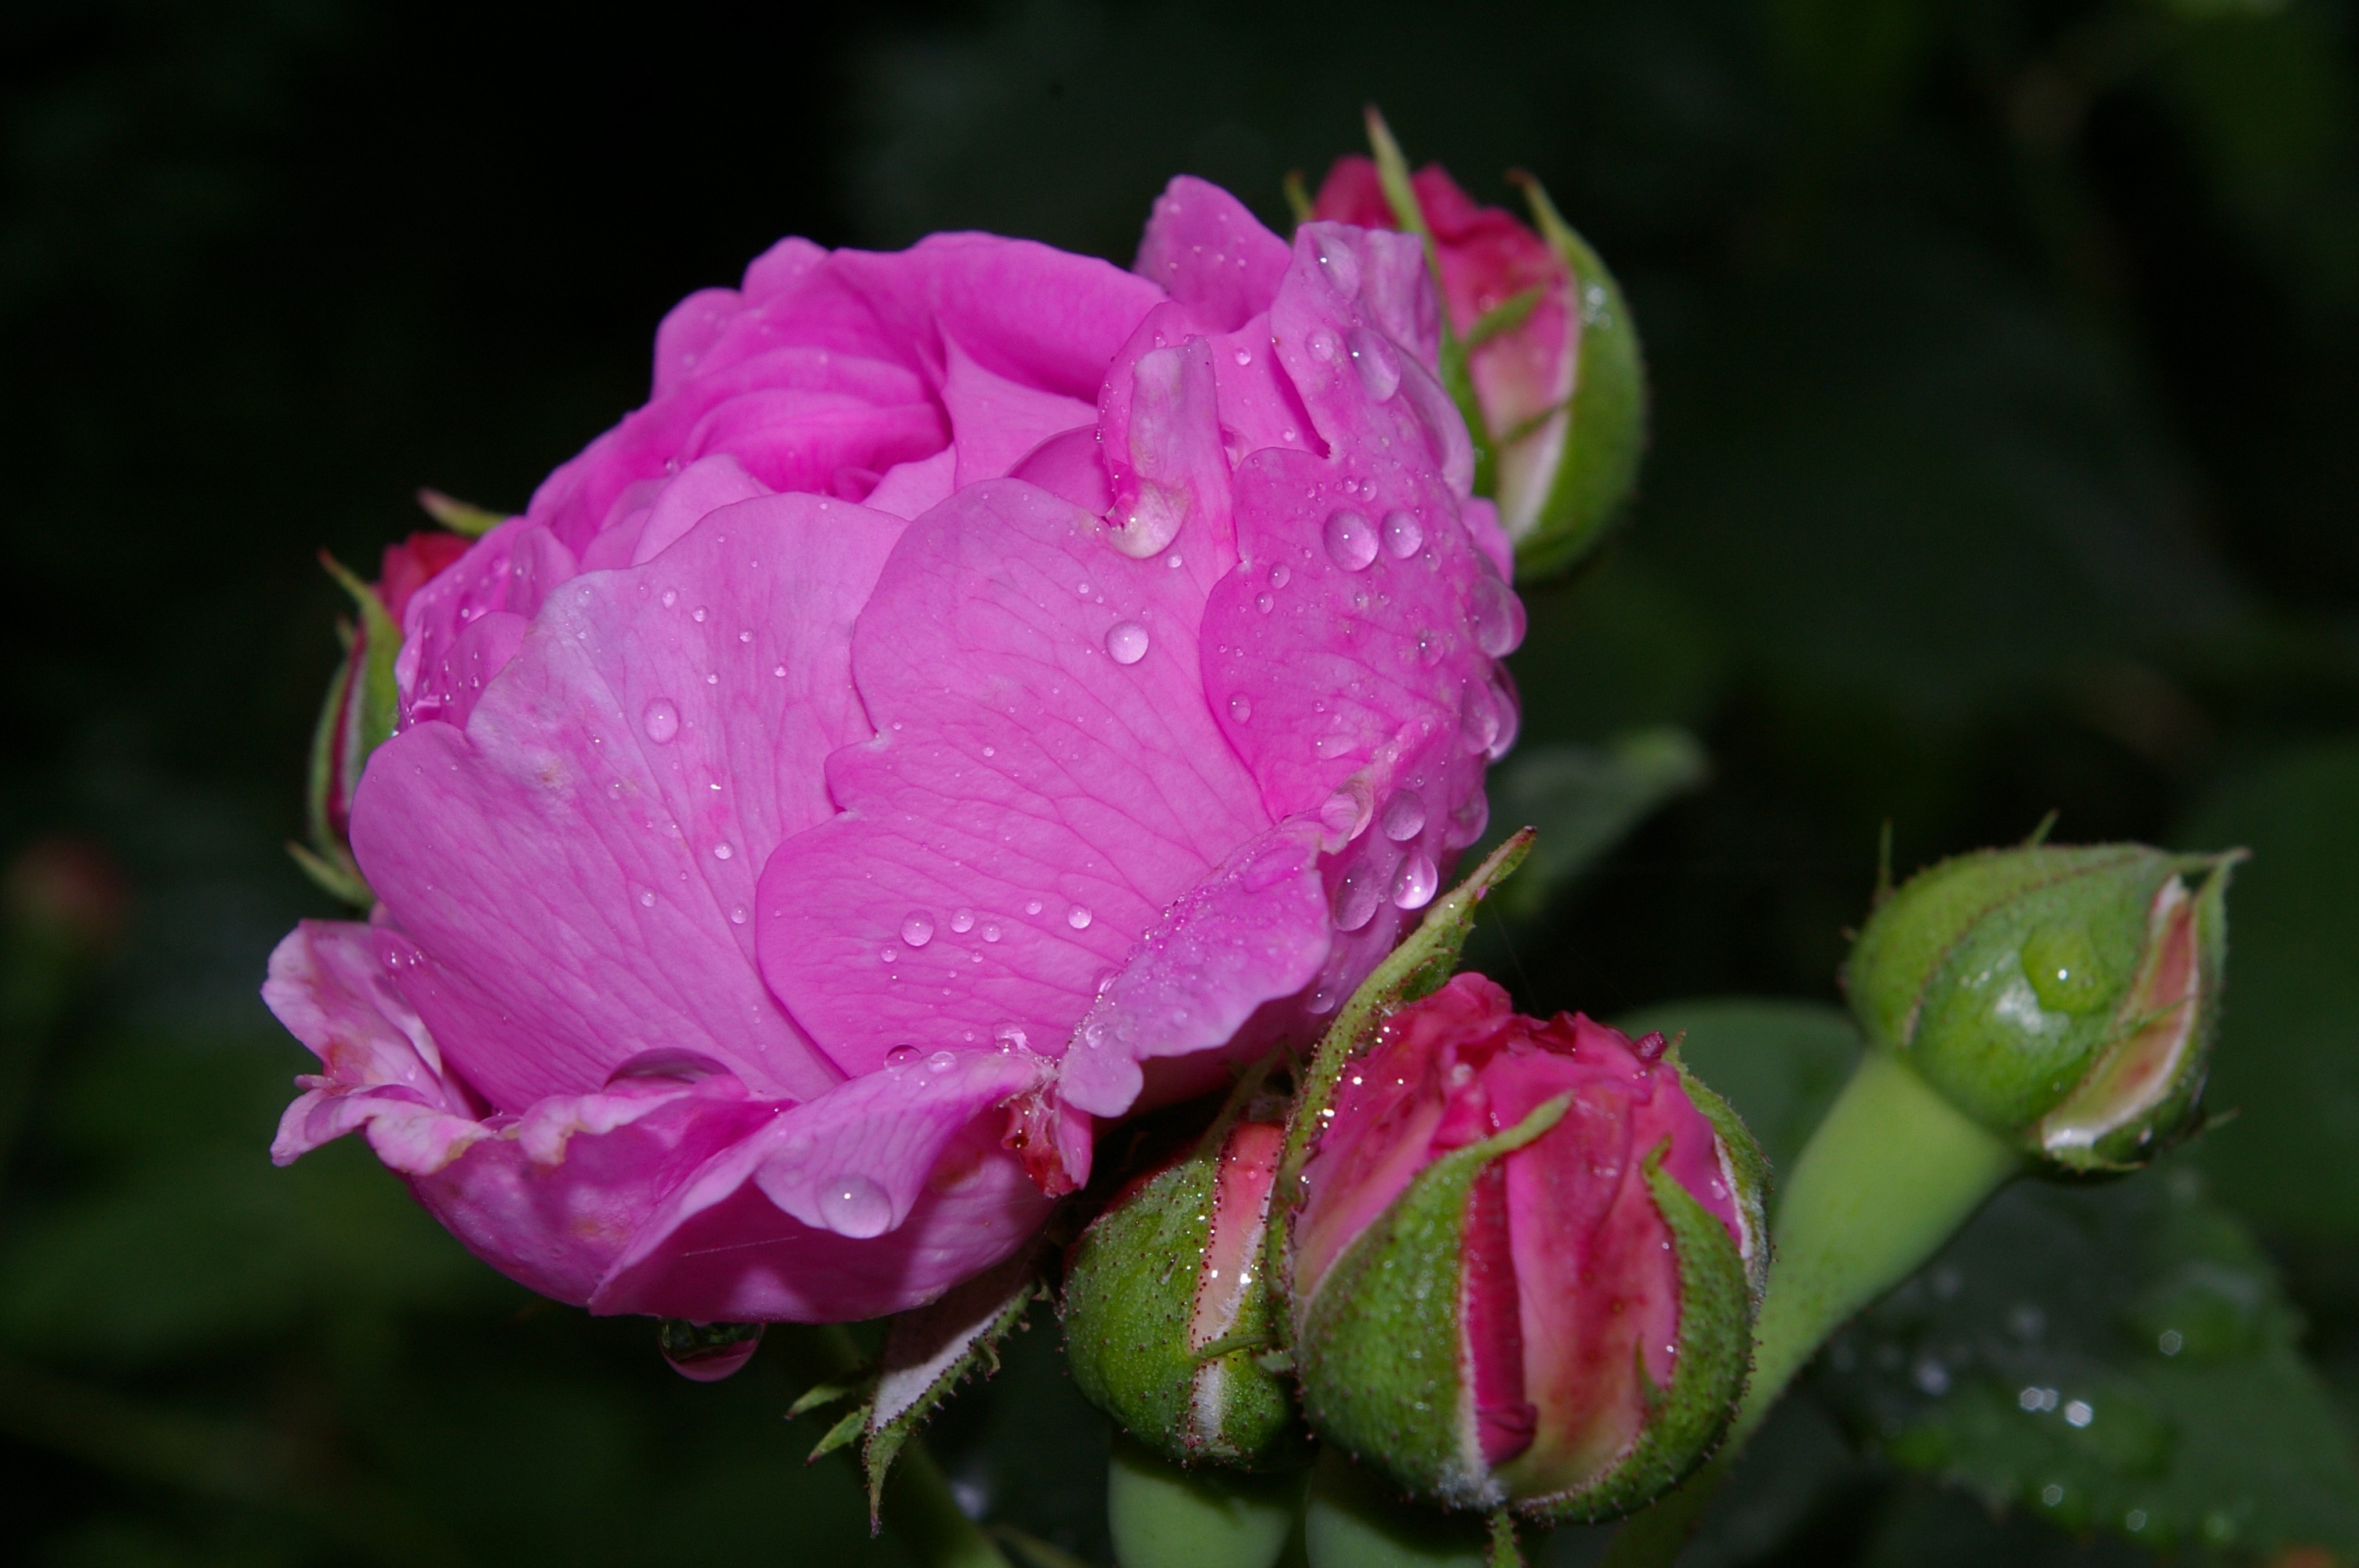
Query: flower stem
{"x": 1889, "y": 1177}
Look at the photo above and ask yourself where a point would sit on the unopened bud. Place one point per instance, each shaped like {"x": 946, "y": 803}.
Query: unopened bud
{"x": 2062, "y": 997}
{"x": 1526, "y": 1262}
{"x": 1167, "y": 1316}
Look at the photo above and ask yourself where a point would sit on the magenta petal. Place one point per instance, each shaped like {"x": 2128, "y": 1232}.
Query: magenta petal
{"x": 511, "y": 569}
{"x": 1255, "y": 932}
{"x": 1161, "y": 424}
{"x": 706, "y": 485}
{"x": 995, "y": 421}
{"x": 873, "y": 1198}
{"x": 578, "y": 865}
{"x": 1030, "y": 804}
{"x": 1207, "y": 251}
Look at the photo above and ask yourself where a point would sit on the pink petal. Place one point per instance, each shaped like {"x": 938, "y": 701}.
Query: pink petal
{"x": 511, "y": 569}
{"x": 1023, "y": 784}
{"x": 910, "y": 490}
{"x": 1207, "y": 251}
{"x": 706, "y": 485}
{"x": 995, "y": 421}
{"x": 871, "y": 1199}
{"x": 577, "y": 866}
{"x": 1161, "y": 420}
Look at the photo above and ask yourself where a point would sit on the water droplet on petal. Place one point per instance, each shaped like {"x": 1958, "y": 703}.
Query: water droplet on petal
{"x": 1478, "y": 718}
{"x": 646, "y": 899}
{"x": 900, "y": 1055}
{"x": 744, "y": 636}
{"x": 722, "y": 851}
{"x": 1498, "y": 617}
{"x": 854, "y": 1206}
{"x": 1010, "y": 1037}
{"x": 697, "y": 614}
{"x": 940, "y": 1062}
{"x": 963, "y": 921}
{"x": 1379, "y": 367}
{"x": 737, "y": 915}
{"x": 1404, "y": 535}
{"x": 1241, "y": 709}
{"x": 1351, "y": 540}
{"x": 1344, "y": 813}
{"x": 918, "y": 928}
{"x": 671, "y": 596}
{"x": 1078, "y": 917}
{"x": 1244, "y": 356}
{"x": 1357, "y": 895}
{"x": 781, "y": 670}
{"x": 661, "y": 720}
{"x": 888, "y": 955}
{"x": 990, "y": 933}
{"x": 1031, "y": 906}
{"x": 1264, "y": 603}
{"x": 1125, "y": 642}
{"x": 1413, "y": 885}
{"x": 1468, "y": 819}
{"x": 1404, "y": 817}
{"x": 1280, "y": 576}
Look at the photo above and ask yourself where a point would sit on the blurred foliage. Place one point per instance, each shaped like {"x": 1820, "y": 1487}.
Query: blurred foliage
{"x": 2006, "y": 353}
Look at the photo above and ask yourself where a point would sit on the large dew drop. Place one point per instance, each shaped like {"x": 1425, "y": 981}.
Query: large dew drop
{"x": 1357, "y": 895}
{"x": 1404, "y": 535}
{"x": 1498, "y": 617}
{"x": 918, "y": 928}
{"x": 1413, "y": 885}
{"x": 661, "y": 720}
{"x": 1125, "y": 642}
{"x": 1404, "y": 817}
{"x": 707, "y": 1352}
{"x": 1351, "y": 541}
{"x": 1379, "y": 367}
{"x": 854, "y": 1206}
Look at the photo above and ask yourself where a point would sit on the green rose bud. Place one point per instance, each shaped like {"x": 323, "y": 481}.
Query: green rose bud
{"x": 2063, "y": 997}
{"x": 1167, "y": 1316}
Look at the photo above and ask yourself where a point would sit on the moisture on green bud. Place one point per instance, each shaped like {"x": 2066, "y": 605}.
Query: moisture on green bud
{"x": 1167, "y": 1316}
{"x": 2062, "y": 997}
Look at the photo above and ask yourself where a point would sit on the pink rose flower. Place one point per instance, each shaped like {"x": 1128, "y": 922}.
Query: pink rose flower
{"x": 982, "y": 689}
{"x": 1523, "y": 375}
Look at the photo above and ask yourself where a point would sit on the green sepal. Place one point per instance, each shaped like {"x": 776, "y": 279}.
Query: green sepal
{"x": 458, "y": 516}
{"x": 1717, "y": 1296}
{"x": 854, "y": 1422}
{"x": 818, "y": 1394}
{"x": 1381, "y": 1344}
{"x": 1746, "y": 1163}
{"x": 1129, "y": 1303}
{"x": 1418, "y": 967}
{"x": 376, "y": 699}
{"x": 1457, "y": 377}
{"x": 357, "y": 717}
{"x": 2000, "y": 977}
{"x": 928, "y": 1351}
{"x": 1607, "y": 423}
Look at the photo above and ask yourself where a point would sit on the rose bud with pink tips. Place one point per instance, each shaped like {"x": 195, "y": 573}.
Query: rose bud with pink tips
{"x": 982, "y": 692}
{"x": 1526, "y": 1262}
{"x": 1543, "y": 353}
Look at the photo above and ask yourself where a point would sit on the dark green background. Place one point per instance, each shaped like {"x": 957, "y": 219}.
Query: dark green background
{"x": 2006, "y": 373}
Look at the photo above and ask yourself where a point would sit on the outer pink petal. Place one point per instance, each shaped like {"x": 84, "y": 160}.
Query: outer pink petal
{"x": 577, "y": 865}
{"x": 1211, "y": 254}
{"x": 706, "y": 485}
{"x": 1160, "y": 439}
{"x": 1256, "y": 933}
{"x": 873, "y": 1198}
{"x": 511, "y": 569}
{"x": 995, "y": 421}
{"x": 1030, "y": 807}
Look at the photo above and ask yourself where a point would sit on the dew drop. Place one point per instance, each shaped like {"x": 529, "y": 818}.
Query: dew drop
{"x": 697, "y": 614}
{"x": 1478, "y": 718}
{"x": 744, "y": 636}
{"x": 707, "y": 1352}
{"x": 1241, "y": 709}
{"x": 1357, "y": 895}
{"x": 1010, "y": 1037}
{"x": 1413, "y": 885}
{"x": 940, "y": 1062}
{"x": 671, "y": 596}
{"x": 1125, "y": 642}
{"x": 722, "y": 851}
{"x": 1351, "y": 540}
{"x": 1079, "y": 917}
{"x": 854, "y": 1206}
{"x": 1468, "y": 820}
{"x": 1031, "y": 906}
{"x": 1379, "y": 367}
{"x": 737, "y": 915}
{"x": 660, "y": 720}
{"x": 1325, "y": 346}
{"x": 1344, "y": 813}
{"x": 1280, "y": 576}
{"x": 1244, "y": 356}
{"x": 990, "y": 933}
{"x": 1404, "y": 817}
{"x": 900, "y": 1055}
{"x": 647, "y": 898}
{"x": 888, "y": 955}
{"x": 1404, "y": 535}
{"x": 963, "y": 921}
{"x": 918, "y": 928}
{"x": 1498, "y": 617}
{"x": 1264, "y": 603}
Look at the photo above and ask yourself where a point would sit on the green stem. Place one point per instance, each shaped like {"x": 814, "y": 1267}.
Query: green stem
{"x": 917, "y": 1506}
{"x": 1887, "y": 1178}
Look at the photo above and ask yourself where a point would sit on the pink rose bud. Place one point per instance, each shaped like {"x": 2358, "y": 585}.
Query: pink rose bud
{"x": 1526, "y": 1262}
{"x": 2064, "y": 997}
{"x": 1551, "y": 355}
{"x": 982, "y": 691}
{"x": 1167, "y": 1314}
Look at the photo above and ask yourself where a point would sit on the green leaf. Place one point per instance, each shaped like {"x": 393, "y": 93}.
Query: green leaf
{"x": 2114, "y": 1357}
{"x": 458, "y": 516}
{"x": 2286, "y": 1062}
{"x": 1584, "y": 799}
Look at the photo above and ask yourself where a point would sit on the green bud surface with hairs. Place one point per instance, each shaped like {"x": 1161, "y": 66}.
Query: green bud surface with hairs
{"x": 2062, "y": 997}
